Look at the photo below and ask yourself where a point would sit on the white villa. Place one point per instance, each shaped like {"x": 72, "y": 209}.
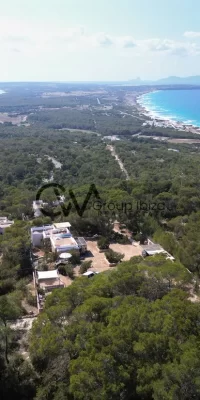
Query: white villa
{"x": 58, "y": 234}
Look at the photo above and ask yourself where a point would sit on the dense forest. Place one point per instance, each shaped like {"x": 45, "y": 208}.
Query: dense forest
{"x": 126, "y": 334}
{"x": 131, "y": 332}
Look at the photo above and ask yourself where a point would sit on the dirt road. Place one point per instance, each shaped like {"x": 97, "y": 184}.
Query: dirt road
{"x": 121, "y": 165}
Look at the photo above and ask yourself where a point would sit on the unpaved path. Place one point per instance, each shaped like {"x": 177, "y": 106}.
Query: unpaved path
{"x": 121, "y": 165}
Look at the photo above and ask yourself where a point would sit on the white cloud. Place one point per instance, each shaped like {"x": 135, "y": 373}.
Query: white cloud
{"x": 191, "y": 34}
{"x": 170, "y": 47}
{"x": 103, "y": 40}
{"x": 32, "y": 39}
{"x": 127, "y": 41}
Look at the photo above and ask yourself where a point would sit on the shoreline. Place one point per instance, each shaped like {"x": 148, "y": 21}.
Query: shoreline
{"x": 160, "y": 121}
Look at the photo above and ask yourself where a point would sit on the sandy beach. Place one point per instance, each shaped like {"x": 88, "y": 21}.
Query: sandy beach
{"x": 159, "y": 121}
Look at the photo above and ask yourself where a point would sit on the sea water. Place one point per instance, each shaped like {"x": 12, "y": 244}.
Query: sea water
{"x": 174, "y": 105}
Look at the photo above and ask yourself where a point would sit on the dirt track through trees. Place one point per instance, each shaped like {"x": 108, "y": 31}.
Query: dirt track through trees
{"x": 121, "y": 165}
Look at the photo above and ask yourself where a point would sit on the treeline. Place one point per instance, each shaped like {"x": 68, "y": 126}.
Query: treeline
{"x": 64, "y": 118}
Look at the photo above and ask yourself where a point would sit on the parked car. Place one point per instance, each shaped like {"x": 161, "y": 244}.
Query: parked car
{"x": 90, "y": 274}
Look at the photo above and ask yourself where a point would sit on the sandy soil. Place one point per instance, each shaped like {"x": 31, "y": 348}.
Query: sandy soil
{"x": 66, "y": 280}
{"x": 171, "y": 140}
{"x": 128, "y": 250}
{"x": 99, "y": 262}
{"x": 73, "y": 93}
{"x": 188, "y": 141}
{"x": 29, "y": 309}
{"x": 15, "y": 119}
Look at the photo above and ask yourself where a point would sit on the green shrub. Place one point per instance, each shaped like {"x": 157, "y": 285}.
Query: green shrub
{"x": 66, "y": 270}
{"x": 42, "y": 266}
{"x": 119, "y": 238}
{"x": 85, "y": 266}
{"x": 6, "y": 286}
{"x": 113, "y": 256}
{"x": 32, "y": 300}
{"x": 40, "y": 291}
{"x": 22, "y": 285}
{"x": 75, "y": 259}
{"x": 103, "y": 243}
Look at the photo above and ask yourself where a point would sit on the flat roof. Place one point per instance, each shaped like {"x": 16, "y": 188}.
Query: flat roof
{"x": 47, "y": 274}
{"x": 61, "y": 225}
{"x": 81, "y": 240}
{"x": 152, "y": 247}
{"x": 152, "y": 252}
{"x": 41, "y": 228}
{"x": 6, "y": 224}
{"x": 69, "y": 241}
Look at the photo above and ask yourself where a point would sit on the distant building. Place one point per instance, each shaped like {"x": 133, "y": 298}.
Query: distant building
{"x": 82, "y": 244}
{"x": 62, "y": 225}
{"x": 112, "y": 138}
{"x": 49, "y": 280}
{"x": 37, "y": 205}
{"x": 151, "y": 249}
{"x": 177, "y": 151}
{"x": 5, "y": 223}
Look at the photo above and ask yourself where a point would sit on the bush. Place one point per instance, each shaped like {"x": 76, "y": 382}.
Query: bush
{"x": 6, "y": 286}
{"x": 66, "y": 270}
{"x": 42, "y": 266}
{"x": 85, "y": 266}
{"x": 113, "y": 256}
{"x": 40, "y": 291}
{"x": 75, "y": 259}
{"x": 139, "y": 238}
{"x": 32, "y": 300}
{"x": 119, "y": 238}
{"x": 41, "y": 221}
{"x": 103, "y": 243}
{"x": 22, "y": 285}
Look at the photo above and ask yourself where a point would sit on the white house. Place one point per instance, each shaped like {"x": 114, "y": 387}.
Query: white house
{"x": 37, "y": 205}
{"x": 5, "y": 223}
{"x": 37, "y": 234}
{"x": 49, "y": 280}
{"x": 58, "y": 234}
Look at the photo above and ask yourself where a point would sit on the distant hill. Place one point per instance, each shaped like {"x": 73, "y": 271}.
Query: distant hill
{"x": 171, "y": 80}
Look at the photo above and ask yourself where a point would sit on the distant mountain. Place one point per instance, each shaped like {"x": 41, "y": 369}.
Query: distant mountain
{"x": 171, "y": 80}
{"x": 176, "y": 80}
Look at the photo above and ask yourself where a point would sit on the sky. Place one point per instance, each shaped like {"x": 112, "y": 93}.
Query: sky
{"x": 98, "y": 40}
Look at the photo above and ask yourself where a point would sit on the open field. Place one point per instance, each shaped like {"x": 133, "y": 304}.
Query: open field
{"x": 128, "y": 250}
{"x": 14, "y": 119}
{"x": 99, "y": 262}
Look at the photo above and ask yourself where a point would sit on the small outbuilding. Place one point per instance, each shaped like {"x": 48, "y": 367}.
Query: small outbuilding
{"x": 49, "y": 280}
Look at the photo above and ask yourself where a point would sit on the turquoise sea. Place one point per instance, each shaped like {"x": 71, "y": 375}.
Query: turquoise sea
{"x": 174, "y": 105}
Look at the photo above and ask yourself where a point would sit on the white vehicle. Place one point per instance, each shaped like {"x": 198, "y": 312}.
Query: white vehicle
{"x": 90, "y": 274}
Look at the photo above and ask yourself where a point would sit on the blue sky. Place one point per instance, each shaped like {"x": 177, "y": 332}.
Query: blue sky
{"x": 78, "y": 40}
